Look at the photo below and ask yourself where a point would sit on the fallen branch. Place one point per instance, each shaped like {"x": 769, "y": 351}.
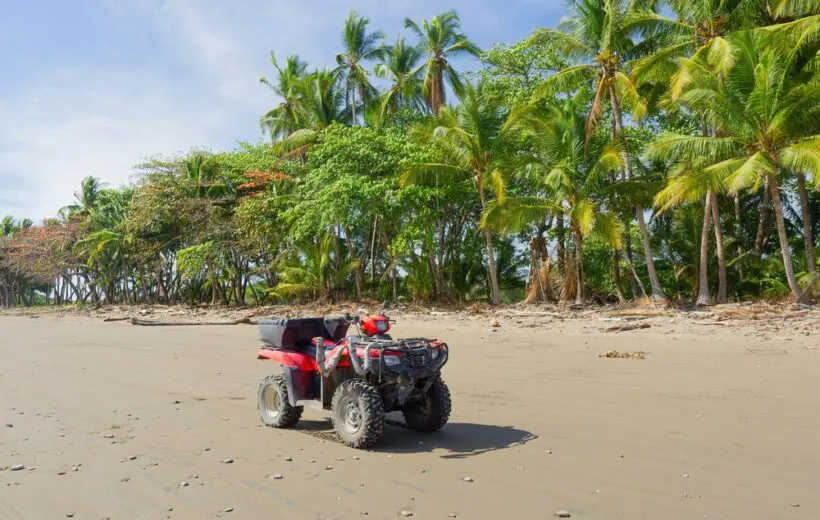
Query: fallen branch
{"x": 149, "y": 323}
{"x": 516, "y": 314}
{"x": 624, "y": 328}
{"x": 709, "y": 322}
{"x": 116, "y": 319}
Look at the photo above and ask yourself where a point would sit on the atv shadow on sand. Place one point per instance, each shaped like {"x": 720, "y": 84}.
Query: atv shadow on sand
{"x": 458, "y": 440}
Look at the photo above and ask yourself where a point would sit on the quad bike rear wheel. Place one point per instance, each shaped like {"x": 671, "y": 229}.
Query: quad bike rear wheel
{"x": 274, "y": 408}
{"x": 358, "y": 413}
{"x": 432, "y": 412}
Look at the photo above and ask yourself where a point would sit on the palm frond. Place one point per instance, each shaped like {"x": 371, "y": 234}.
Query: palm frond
{"x": 515, "y": 214}
{"x": 804, "y": 157}
{"x": 429, "y": 173}
{"x": 751, "y": 172}
{"x": 567, "y": 80}
{"x": 676, "y": 147}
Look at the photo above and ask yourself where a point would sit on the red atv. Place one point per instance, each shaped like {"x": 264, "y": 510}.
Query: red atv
{"x": 358, "y": 378}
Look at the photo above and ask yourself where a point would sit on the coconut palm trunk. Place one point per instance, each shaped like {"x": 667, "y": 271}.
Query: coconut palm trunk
{"x": 495, "y": 297}
{"x": 721, "y": 253}
{"x": 616, "y": 275}
{"x": 808, "y": 237}
{"x": 657, "y": 291}
{"x": 353, "y": 105}
{"x": 760, "y": 236}
{"x": 740, "y": 245}
{"x": 703, "y": 298}
{"x": 784, "y": 239}
{"x": 579, "y": 263}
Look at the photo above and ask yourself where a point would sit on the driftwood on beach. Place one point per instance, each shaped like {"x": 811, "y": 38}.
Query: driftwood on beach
{"x": 151, "y": 323}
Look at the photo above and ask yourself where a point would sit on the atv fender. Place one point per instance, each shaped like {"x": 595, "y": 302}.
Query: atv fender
{"x": 299, "y": 373}
{"x": 288, "y": 358}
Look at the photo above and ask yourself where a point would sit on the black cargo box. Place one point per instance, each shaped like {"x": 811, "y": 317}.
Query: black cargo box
{"x": 298, "y": 333}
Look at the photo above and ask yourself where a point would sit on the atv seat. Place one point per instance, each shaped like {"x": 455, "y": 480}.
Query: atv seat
{"x": 298, "y": 334}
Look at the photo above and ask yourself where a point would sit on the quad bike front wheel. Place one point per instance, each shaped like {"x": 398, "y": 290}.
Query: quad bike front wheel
{"x": 274, "y": 408}
{"x": 358, "y": 413}
{"x": 432, "y": 412}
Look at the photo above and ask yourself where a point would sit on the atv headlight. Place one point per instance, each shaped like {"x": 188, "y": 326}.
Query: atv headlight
{"x": 381, "y": 326}
{"x": 434, "y": 353}
{"x": 392, "y": 361}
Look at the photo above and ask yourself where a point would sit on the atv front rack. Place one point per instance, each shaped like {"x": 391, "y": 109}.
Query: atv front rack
{"x": 411, "y": 350}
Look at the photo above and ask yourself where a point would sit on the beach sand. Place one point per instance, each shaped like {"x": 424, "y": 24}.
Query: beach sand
{"x": 118, "y": 421}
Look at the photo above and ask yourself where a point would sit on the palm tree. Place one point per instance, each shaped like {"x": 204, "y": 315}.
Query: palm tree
{"x": 474, "y": 138}
{"x": 322, "y": 104}
{"x": 359, "y": 46}
{"x": 8, "y": 226}
{"x": 766, "y": 125}
{"x": 571, "y": 173}
{"x": 85, "y": 200}
{"x": 441, "y": 38}
{"x": 400, "y": 65}
{"x": 600, "y": 36}
{"x": 287, "y": 117}
{"x": 315, "y": 269}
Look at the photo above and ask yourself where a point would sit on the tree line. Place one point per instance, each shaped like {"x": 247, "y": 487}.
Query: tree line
{"x": 640, "y": 150}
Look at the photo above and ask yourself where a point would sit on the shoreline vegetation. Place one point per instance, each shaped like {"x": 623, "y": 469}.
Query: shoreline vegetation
{"x": 646, "y": 152}
{"x": 760, "y": 318}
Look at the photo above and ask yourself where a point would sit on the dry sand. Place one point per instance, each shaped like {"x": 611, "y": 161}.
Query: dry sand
{"x": 716, "y": 422}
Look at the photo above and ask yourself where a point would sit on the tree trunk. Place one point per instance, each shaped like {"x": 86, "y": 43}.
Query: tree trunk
{"x": 616, "y": 275}
{"x": 761, "y": 222}
{"x": 784, "y": 239}
{"x": 739, "y": 238}
{"x": 495, "y": 296}
{"x": 357, "y": 273}
{"x": 635, "y": 283}
{"x": 353, "y": 105}
{"x": 721, "y": 253}
{"x": 559, "y": 228}
{"x": 657, "y": 291}
{"x": 808, "y": 237}
{"x": 579, "y": 264}
{"x": 703, "y": 297}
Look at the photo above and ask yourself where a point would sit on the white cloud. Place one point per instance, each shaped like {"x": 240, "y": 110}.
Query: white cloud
{"x": 84, "y": 123}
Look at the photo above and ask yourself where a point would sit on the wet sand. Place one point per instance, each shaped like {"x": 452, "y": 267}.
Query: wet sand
{"x": 717, "y": 422}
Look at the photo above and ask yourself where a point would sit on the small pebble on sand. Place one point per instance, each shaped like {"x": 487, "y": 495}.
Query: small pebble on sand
{"x": 562, "y": 514}
{"x": 468, "y": 479}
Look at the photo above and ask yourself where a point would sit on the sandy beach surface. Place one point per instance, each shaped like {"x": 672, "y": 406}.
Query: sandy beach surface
{"x": 118, "y": 421}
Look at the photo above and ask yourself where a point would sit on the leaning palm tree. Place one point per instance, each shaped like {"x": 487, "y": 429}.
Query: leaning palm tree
{"x": 442, "y": 39}
{"x": 285, "y": 117}
{"x": 600, "y": 36}
{"x": 474, "y": 139}
{"x": 766, "y": 125}
{"x": 359, "y": 46}
{"x": 399, "y": 64}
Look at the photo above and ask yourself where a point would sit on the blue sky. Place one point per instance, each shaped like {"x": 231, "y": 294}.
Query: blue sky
{"x": 92, "y": 87}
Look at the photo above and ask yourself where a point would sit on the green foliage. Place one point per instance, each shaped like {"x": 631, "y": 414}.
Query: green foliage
{"x": 596, "y": 143}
